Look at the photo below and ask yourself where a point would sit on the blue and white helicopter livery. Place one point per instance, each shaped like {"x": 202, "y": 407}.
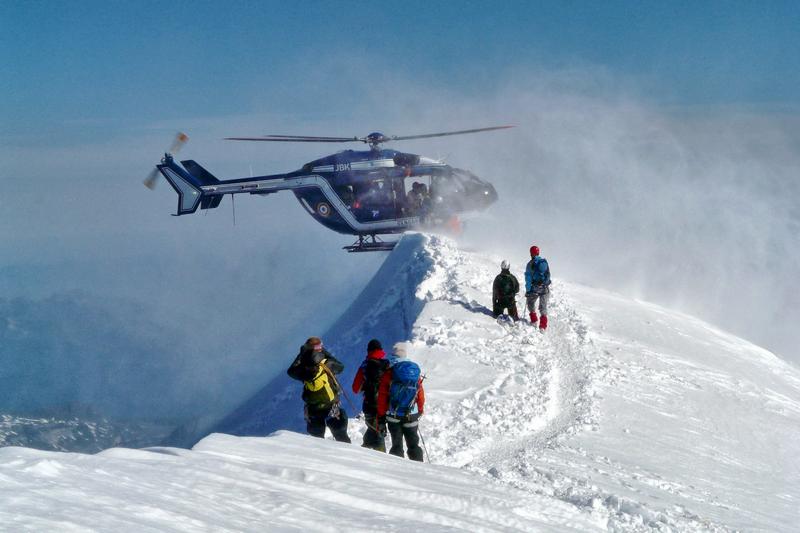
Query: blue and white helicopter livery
{"x": 363, "y": 193}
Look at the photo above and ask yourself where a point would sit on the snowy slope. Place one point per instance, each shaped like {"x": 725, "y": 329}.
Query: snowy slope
{"x": 623, "y": 416}
{"x": 285, "y": 482}
{"x": 639, "y": 415}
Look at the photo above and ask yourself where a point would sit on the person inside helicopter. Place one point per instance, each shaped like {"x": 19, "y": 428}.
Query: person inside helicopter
{"x": 414, "y": 198}
{"x": 374, "y": 201}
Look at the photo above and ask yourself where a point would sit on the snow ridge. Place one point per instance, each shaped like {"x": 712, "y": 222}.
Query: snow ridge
{"x": 540, "y": 381}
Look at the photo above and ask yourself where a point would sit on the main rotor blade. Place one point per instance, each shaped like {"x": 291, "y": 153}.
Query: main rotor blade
{"x": 443, "y": 134}
{"x": 368, "y": 139}
{"x": 296, "y": 138}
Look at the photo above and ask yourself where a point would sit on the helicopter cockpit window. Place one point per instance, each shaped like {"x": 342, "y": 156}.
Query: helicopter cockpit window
{"x": 467, "y": 177}
{"x": 447, "y": 185}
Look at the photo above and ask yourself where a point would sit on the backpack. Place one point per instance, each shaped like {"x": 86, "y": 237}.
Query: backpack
{"x": 506, "y": 285}
{"x": 373, "y": 371}
{"x": 403, "y": 390}
{"x": 319, "y": 390}
{"x": 539, "y": 278}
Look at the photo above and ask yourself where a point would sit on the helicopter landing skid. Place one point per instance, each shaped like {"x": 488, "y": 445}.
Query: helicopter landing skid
{"x": 370, "y": 243}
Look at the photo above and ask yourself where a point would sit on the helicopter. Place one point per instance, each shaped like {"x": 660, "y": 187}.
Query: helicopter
{"x": 366, "y": 193}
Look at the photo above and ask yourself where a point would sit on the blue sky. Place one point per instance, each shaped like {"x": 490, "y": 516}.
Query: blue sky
{"x": 72, "y": 71}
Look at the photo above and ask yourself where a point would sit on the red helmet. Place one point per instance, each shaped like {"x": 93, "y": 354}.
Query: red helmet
{"x": 534, "y": 251}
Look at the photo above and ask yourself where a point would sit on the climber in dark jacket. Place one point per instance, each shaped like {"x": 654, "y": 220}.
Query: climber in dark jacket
{"x": 504, "y": 292}
{"x": 367, "y": 379}
{"x": 317, "y": 369}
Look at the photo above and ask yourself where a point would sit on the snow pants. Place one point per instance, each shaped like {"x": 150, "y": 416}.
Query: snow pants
{"x": 375, "y": 436}
{"x": 501, "y": 305}
{"x": 405, "y": 428}
{"x": 532, "y": 298}
{"x": 334, "y": 417}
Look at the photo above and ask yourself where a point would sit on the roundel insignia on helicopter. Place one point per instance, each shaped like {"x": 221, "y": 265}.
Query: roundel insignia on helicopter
{"x": 323, "y": 209}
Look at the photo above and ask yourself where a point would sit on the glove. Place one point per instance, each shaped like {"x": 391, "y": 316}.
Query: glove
{"x": 335, "y": 411}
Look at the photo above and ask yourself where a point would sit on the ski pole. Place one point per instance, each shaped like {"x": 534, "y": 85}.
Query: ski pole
{"x": 422, "y": 439}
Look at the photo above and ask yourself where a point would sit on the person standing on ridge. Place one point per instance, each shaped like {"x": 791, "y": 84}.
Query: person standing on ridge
{"x": 537, "y": 287}
{"x": 367, "y": 380}
{"x": 316, "y": 368}
{"x": 504, "y": 292}
{"x": 401, "y": 399}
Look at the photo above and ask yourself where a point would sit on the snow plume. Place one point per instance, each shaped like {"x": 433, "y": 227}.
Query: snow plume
{"x": 693, "y": 212}
{"x": 692, "y": 207}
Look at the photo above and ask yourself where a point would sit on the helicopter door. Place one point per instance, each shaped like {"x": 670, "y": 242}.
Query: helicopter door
{"x": 376, "y": 199}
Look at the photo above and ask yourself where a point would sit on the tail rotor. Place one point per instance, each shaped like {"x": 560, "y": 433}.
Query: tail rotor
{"x": 152, "y": 179}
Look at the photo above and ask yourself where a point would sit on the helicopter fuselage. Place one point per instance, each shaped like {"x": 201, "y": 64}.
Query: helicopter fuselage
{"x": 372, "y": 192}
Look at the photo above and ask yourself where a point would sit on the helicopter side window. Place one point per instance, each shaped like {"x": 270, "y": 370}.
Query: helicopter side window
{"x": 347, "y": 194}
{"x": 417, "y": 195}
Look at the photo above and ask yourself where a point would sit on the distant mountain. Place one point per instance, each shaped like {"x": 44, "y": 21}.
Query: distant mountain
{"x": 78, "y": 349}
{"x": 81, "y": 374}
{"x": 77, "y": 434}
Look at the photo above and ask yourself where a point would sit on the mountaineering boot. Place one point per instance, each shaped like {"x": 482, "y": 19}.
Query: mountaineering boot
{"x": 543, "y": 323}
{"x": 534, "y": 318}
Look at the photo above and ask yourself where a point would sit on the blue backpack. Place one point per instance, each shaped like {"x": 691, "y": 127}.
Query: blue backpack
{"x": 539, "y": 277}
{"x": 403, "y": 390}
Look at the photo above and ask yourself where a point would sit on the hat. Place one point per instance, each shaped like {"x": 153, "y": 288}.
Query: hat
{"x": 534, "y": 251}
{"x": 313, "y": 341}
{"x": 373, "y": 345}
{"x": 505, "y": 265}
{"x": 399, "y": 350}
